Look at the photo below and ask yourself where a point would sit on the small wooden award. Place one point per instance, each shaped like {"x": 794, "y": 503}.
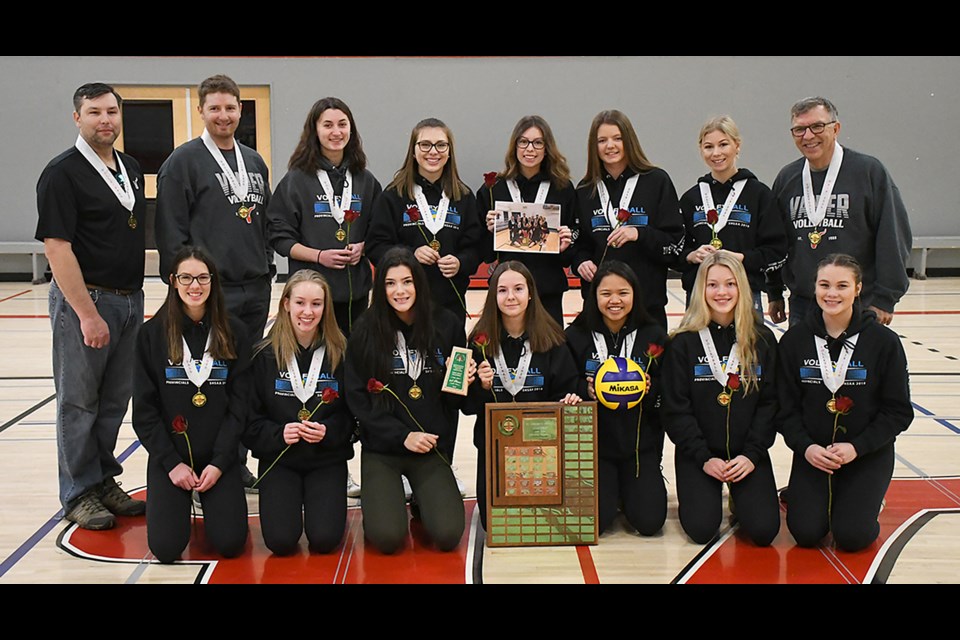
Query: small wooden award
{"x": 455, "y": 379}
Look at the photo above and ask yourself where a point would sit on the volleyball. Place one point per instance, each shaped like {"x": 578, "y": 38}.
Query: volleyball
{"x": 620, "y": 383}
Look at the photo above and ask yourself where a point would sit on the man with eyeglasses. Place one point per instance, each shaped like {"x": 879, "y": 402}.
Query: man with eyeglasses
{"x": 91, "y": 209}
{"x": 836, "y": 200}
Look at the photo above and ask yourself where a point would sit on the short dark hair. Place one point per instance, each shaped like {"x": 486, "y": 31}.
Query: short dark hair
{"x": 218, "y": 84}
{"x": 93, "y": 90}
{"x": 843, "y": 260}
{"x": 802, "y": 106}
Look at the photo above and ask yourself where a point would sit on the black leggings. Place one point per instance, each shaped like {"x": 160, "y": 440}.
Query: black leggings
{"x": 644, "y": 499}
{"x": 168, "y": 514}
{"x": 858, "y": 490}
{"x": 701, "y": 506}
{"x": 292, "y": 502}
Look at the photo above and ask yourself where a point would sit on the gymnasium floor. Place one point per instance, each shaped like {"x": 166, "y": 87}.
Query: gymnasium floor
{"x": 920, "y": 523}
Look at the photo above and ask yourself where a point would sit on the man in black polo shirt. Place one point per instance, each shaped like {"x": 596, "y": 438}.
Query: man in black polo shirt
{"x": 91, "y": 209}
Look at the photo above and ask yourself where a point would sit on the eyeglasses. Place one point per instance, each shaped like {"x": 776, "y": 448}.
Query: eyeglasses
{"x": 815, "y": 128}
{"x": 425, "y": 145}
{"x": 186, "y": 279}
{"x": 538, "y": 144}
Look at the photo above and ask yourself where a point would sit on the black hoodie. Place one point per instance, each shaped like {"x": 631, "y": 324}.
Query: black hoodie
{"x": 877, "y": 381}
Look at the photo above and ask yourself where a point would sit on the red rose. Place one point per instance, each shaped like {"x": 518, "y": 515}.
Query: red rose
{"x": 481, "y": 340}
{"x": 490, "y": 179}
{"x": 374, "y": 386}
{"x": 844, "y": 404}
{"x": 733, "y": 381}
{"x": 350, "y": 215}
{"x": 329, "y": 395}
{"x": 180, "y": 424}
{"x": 712, "y": 216}
{"x": 623, "y": 216}
{"x": 413, "y": 213}
{"x": 654, "y": 350}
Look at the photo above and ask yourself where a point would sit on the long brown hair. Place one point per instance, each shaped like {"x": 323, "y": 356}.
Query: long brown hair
{"x": 698, "y": 313}
{"x": 306, "y": 157}
{"x": 636, "y": 158}
{"x": 404, "y": 179}
{"x": 282, "y": 338}
{"x": 554, "y": 163}
{"x": 542, "y": 330}
{"x": 221, "y": 342}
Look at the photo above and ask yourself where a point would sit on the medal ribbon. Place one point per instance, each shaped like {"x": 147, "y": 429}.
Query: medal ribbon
{"x": 625, "y": 349}
{"x": 124, "y": 193}
{"x": 305, "y": 390}
{"x": 239, "y": 181}
{"x": 336, "y": 208}
{"x": 541, "y": 191}
{"x": 197, "y": 375}
{"x": 722, "y": 214}
{"x": 625, "y": 198}
{"x": 718, "y": 370}
{"x": 817, "y": 207}
{"x": 412, "y": 361}
{"x": 432, "y": 222}
{"x": 513, "y": 383}
{"x": 834, "y": 377}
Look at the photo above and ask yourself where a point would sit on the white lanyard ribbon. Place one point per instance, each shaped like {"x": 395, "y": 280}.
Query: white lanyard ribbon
{"x": 720, "y": 373}
{"x": 722, "y": 214}
{"x": 625, "y": 198}
{"x": 346, "y": 197}
{"x": 412, "y": 360}
{"x": 432, "y": 222}
{"x": 833, "y": 378}
{"x": 124, "y": 193}
{"x": 817, "y": 207}
{"x": 240, "y": 181}
{"x": 541, "y": 191}
{"x": 198, "y": 375}
{"x": 305, "y": 390}
{"x": 513, "y": 383}
{"x": 625, "y": 349}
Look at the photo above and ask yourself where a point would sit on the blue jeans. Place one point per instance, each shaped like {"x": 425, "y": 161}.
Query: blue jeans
{"x": 93, "y": 388}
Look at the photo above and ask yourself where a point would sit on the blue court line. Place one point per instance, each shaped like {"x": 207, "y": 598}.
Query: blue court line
{"x": 940, "y": 421}
{"x": 48, "y": 526}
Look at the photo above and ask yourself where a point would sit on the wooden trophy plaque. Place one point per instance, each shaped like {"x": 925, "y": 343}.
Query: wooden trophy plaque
{"x": 541, "y": 474}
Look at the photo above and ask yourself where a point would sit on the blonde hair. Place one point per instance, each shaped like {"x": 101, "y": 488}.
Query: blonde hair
{"x": 282, "y": 338}
{"x": 697, "y": 315}
{"x": 724, "y": 124}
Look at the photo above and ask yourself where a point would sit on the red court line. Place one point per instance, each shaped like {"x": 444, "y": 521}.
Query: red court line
{"x": 586, "y": 565}
{"x": 15, "y": 295}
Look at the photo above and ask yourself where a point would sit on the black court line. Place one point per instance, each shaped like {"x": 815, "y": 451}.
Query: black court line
{"x": 893, "y": 552}
{"x": 27, "y": 412}
{"x": 26, "y": 377}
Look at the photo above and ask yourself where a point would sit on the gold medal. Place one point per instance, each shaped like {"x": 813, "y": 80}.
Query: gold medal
{"x": 716, "y": 244}
{"x": 243, "y": 212}
{"x": 415, "y": 392}
{"x": 815, "y": 238}
{"x": 132, "y": 222}
{"x": 303, "y": 414}
{"x": 199, "y": 399}
{"x": 723, "y": 399}
{"x": 341, "y": 235}
{"x": 435, "y": 244}
{"x": 832, "y": 405}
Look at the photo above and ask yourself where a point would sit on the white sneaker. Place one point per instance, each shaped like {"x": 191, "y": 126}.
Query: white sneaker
{"x": 353, "y": 489}
{"x": 407, "y": 490}
{"x": 460, "y": 486}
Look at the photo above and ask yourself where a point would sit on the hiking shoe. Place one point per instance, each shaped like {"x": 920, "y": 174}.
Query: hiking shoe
{"x": 89, "y": 513}
{"x": 118, "y": 502}
{"x": 353, "y": 489}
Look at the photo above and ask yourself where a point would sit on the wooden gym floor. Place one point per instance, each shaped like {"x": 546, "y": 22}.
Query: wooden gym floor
{"x": 920, "y": 539}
